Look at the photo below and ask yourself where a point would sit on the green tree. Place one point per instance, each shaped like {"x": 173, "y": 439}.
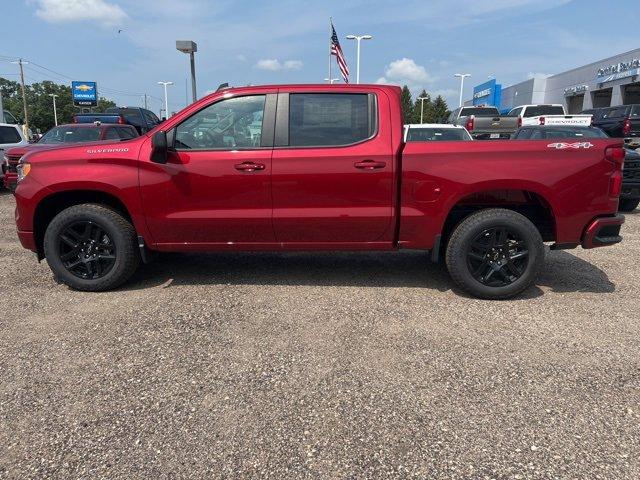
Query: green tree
{"x": 407, "y": 105}
{"x": 40, "y": 103}
{"x": 439, "y": 110}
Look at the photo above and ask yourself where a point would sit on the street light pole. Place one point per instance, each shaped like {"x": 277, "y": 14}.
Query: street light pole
{"x": 55, "y": 112}
{"x": 462, "y": 77}
{"x": 166, "y": 98}
{"x": 358, "y": 38}
{"x": 190, "y": 47}
{"x": 422, "y": 99}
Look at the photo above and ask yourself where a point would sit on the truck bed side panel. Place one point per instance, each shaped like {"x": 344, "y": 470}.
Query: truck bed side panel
{"x": 574, "y": 182}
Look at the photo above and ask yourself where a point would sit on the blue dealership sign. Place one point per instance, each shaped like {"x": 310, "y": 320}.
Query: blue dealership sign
{"x": 487, "y": 93}
{"x": 84, "y": 93}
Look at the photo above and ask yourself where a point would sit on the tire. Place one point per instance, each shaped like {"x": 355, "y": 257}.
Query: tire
{"x": 91, "y": 248}
{"x": 628, "y": 205}
{"x": 495, "y": 265}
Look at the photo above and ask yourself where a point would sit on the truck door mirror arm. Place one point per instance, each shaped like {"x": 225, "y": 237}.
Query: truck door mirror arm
{"x": 159, "y": 147}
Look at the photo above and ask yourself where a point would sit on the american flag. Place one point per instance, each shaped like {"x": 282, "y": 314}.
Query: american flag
{"x": 336, "y": 50}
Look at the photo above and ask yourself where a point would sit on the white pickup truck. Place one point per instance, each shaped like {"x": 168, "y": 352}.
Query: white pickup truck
{"x": 549, "y": 114}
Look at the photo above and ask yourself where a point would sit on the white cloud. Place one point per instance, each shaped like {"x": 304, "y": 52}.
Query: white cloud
{"x": 405, "y": 72}
{"x": 60, "y": 11}
{"x": 274, "y": 65}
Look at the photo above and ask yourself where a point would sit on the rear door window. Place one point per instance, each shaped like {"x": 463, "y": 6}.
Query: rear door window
{"x": 523, "y": 134}
{"x": 112, "y": 134}
{"x": 329, "y": 119}
{"x": 9, "y": 135}
{"x": 127, "y": 133}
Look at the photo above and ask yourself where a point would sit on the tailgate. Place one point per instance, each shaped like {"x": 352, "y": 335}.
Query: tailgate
{"x": 495, "y": 124}
{"x": 566, "y": 120}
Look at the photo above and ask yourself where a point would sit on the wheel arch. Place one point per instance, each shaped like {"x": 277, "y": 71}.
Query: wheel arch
{"x": 56, "y": 202}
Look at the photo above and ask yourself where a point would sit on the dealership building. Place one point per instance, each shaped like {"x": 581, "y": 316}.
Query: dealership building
{"x": 609, "y": 82}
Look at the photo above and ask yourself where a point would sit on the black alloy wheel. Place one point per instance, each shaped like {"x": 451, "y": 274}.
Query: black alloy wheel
{"x": 86, "y": 250}
{"x": 498, "y": 256}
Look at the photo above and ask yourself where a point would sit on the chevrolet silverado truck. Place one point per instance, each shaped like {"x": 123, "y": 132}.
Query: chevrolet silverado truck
{"x": 484, "y": 123}
{"x": 548, "y": 114}
{"x": 327, "y": 170}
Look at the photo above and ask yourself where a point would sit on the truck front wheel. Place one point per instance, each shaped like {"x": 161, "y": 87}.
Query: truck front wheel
{"x": 91, "y": 247}
{"x": 495, "y": 253}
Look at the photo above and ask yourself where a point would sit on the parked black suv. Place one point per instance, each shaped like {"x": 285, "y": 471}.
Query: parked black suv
{"x": 630, "y": 195}
{"x": 622, "y": 121}
{"x": 141, "y": 118}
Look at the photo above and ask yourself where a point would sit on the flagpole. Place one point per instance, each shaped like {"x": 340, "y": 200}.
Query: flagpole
{"x": 330, "y": 34}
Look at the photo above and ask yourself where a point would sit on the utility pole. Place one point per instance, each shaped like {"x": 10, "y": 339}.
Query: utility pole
{"x": 24, "y": 97}
{"x": 1, "y": 109}
{"x": 145, "y": 102}
{"x": 55, "y": 112}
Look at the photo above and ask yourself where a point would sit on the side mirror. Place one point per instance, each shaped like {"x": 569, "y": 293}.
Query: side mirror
{"x": 159, "y": 147}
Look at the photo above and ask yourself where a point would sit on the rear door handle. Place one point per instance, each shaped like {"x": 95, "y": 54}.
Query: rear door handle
{"x": 369, "y": 165}
{"x": 249, "y": 166}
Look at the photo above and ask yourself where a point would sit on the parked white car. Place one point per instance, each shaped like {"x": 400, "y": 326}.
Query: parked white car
{"x": 548, "y": 114}
{"x": 429, "y": 132}
{"x": 10, "y": 136}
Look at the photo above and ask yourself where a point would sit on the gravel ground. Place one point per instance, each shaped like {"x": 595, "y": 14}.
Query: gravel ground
{"x": 320, "y": 366}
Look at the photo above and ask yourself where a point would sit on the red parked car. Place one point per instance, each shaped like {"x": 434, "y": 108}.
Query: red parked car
{"x": 315, "y": 167}
{"x": 63, "y": 135}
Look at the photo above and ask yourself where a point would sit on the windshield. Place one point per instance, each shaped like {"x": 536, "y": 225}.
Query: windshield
{"x": 538, "y": 110}
{"x": 71, "y": 134}
{"x": 436, "y": 134}
{"x": 480, "y": 112}
{"x": 573, "y": 132}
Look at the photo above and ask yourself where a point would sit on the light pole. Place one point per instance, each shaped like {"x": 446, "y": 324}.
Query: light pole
{"x": 331, "y": 80}
{"x": 166, "y": 98}
{"x": 357, "y": 38}
{"x": 55, "y": 112}
{"x": 422, "y": 99}
{"x": 190, "y": 47}
{"x": 462, "y": 77}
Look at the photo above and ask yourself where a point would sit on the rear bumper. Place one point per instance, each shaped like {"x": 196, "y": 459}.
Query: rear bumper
{"x": 603, "y": 231}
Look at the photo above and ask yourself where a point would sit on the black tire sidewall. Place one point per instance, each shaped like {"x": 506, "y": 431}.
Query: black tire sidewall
{"x": 470, "y": 228}
{"x": 109, "y": 225}
{"x": 628, "y": 205}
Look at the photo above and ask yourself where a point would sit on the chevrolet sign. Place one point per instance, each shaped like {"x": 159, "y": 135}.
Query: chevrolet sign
{"x": 84, "y": 94}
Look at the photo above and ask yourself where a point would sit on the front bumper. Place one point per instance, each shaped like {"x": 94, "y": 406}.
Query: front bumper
{"x": 603, "y": 231}
{"x": 27, "y": 240}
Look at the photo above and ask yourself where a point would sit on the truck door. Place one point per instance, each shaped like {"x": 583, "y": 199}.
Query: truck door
{"x": 333, "y": 168}
{"x": 216, "y": 185}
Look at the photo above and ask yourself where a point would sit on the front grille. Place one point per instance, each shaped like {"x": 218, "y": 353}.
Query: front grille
{"x": 13, "y": 161}
{"x": 631, "y": 171}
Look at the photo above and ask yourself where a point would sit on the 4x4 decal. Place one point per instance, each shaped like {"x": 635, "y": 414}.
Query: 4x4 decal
{"x": 563, "y": 145}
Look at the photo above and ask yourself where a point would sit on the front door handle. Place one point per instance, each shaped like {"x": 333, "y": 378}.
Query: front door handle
{"x": 249, "y": 166}
{"x": 369, "y": 165}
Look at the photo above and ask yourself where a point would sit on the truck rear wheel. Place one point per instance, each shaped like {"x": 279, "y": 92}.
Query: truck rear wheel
{"x": 495, "y": 254}
{"x": 628, "y": 205}
{"x": 91, "y": 247}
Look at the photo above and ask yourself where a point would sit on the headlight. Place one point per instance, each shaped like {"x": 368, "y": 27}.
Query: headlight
{"x": 23, "y": 170}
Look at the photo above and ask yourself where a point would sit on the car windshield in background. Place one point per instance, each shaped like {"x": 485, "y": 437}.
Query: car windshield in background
{"x": 71, "y": 135}
{"x": 480, "y": 112}
{"x": 573, "y": 132}
{"x": 436, "y": 134}
{"x": 543, "y": 110}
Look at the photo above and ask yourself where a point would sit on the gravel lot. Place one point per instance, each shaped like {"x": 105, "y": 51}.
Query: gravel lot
{"x": 320, "y": 366}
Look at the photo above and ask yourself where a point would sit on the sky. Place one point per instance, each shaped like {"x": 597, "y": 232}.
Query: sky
{"x": 127, "y": 46}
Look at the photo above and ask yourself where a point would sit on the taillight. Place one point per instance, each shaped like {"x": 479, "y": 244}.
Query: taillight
{"x": 542, "y": 121}
{"x": 614, "y": 155}
{"x": 121, "y": 120}
{"x": 469, "y": 124}
{"x": 615, "y": 184}
{"x": 519, "y": 122}
{"x": 626, "y": 128}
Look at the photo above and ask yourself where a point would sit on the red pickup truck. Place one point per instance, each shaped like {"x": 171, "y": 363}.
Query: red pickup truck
{"x": 315, "y": 167}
